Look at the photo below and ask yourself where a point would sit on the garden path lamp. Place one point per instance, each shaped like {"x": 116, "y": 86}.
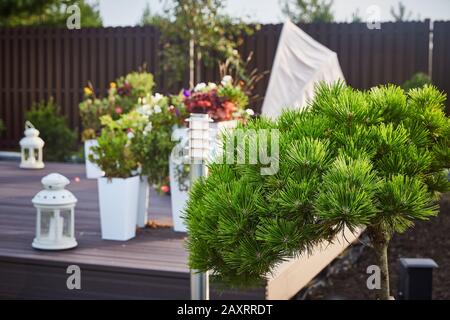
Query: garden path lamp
{"x": 31, "y": 148}
{"x": 55, "y": 220}
{"x": 199, "y": 150}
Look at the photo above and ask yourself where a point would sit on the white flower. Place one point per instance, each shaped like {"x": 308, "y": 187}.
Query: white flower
{"x": 145, "y": 110}
{"x": 226, "y": 80}
{"x": 148, "y": 128}
{"x": 250, "y": 112}
{"x": 200, "y": 87}
{"x": 157, "y": 109}
{"x": 212, "y": 86}
{"x": 157, "y": 97}
{"x": 130, "y": 135}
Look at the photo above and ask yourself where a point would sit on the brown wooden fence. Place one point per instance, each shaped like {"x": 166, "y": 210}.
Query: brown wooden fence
{"x": 441, "y": 57}
{"x": 36, "y": 63}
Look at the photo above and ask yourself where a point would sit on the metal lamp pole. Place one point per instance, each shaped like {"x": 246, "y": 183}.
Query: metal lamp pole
{"x": 199, "y": 148}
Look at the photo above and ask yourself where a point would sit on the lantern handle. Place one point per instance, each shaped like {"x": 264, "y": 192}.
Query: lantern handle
{"x": 29, "y": 125}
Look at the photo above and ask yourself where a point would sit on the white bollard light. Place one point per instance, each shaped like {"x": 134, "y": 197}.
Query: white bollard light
{"x": 199, "y": 145}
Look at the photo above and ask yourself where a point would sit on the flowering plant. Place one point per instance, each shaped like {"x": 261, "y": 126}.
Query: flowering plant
{"x": 152, "y": 140}
{"x": 222, "y": 102}
{"x": 113, "y": 153}
{"x": 123, "y": 96}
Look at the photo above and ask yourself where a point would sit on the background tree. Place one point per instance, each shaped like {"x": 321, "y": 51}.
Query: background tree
{"x": 307, "y": 11}
{"x": 197, "y": 32}
{"x": 402, "y": 14}
{"x": 150, "y": 18}
{"x": 353, "y": 159}
{"x": 15, "y": 13}
{"x": 356, "y": 16}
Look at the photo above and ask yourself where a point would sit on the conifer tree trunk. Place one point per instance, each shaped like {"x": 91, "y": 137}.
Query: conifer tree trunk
{"x": 380, "y": 241}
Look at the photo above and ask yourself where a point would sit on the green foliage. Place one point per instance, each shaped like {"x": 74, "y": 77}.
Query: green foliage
{"x": 351, "y": 159}
{"x": 113, "y": 153}
{"x": 216, "y": 35}
{"x": 130, "y": 88}
{"x": 149, "y": 18}
{"x": 140, "y": 141}
{"x": 402, "y": 14}
{"x": 307, "y": 11}
{"x": 15, "y": 13}
{"x": 58, "y": 137}
{"x": 91, "y": 110}
{"x": 152, "y": 142}
{"x": 418, "y": 80}
{"x": 234, "y": 94}
{"x": 123, "y": 96}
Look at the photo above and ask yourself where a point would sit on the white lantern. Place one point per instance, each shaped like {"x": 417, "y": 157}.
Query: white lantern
{"x": 31, "y": 148}
{"x": 199, "y": 137}
{"x": 55, "y": 222}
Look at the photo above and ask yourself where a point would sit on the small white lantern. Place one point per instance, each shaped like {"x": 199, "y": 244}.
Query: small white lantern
{"x": 31, "y": 148}
{"x": 199, "y": 137}
{"x": 55, "y": 222}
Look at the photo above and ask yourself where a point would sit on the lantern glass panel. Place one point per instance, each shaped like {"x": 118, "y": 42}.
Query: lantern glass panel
{"x": 67, "y": 230}
{"x": 31, "y": 154}
{"x": 26, "y": 154}
{"x": 36, "y": 152}
{"x": 47, "y": 223}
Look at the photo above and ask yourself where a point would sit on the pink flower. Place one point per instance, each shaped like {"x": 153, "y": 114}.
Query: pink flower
{"x": 165, "y": 189}
{"x": 118, "y": 110}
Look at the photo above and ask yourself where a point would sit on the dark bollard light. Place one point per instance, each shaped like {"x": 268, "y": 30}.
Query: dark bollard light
{"x": 416, "y": 279}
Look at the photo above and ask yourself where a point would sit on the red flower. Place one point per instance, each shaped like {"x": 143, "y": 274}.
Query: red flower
{"x": 165, "y": 189}
{"x": 124, "y": 90}
{"x": 219, "y": 108}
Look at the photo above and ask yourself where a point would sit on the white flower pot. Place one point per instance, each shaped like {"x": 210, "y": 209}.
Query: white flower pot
{"x": 144, "y": 195}
{"x": 93, "y": 171}
{"x": 179, "y": 198}
{"x": 118, "y": 200}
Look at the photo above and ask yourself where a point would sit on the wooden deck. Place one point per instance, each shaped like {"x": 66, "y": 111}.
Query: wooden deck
{"x": 151, "y": 266}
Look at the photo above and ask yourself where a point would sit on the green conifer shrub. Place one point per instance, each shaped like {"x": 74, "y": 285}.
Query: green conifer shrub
{"x": 352, "y": 159}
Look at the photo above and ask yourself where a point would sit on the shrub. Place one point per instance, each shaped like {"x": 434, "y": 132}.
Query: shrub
{"x": 418, "y": 80}
{"x": 123, "y": 96}
{"x": 152, "y": 142}
{"x": 149, "y": 141}
{"x": 58, "y": 137}
{"x": 352, "y": 159}
{"x": 113, "y": 153}
{"x": 223, "y": 102}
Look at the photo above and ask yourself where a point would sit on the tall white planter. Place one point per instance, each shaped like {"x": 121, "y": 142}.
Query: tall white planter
{"x": 144, "y": 195}
{"x": 118, "y": 200}
{"x": 93, "y": 171}
{"x": 179, "y": 197}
